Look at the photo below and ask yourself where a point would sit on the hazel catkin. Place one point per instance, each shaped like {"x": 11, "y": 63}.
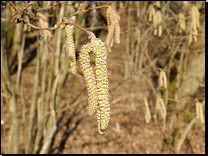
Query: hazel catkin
{"x": 90, "y": 79}
{"x": 98, "y": 89}
{"x": 102, "y": 83}
{"x": 113, "y": 26}
{"x": 71, "y": 49}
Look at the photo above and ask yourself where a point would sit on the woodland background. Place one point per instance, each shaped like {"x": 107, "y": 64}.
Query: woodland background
{"x": 44, "y": 106}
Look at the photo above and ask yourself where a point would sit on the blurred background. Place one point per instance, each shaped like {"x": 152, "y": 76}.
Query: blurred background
{"x": 156, "y": 78}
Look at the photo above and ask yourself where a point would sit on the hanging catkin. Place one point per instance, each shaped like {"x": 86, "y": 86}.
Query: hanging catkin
{"x": 71, "y": 48}
{"x": 113, "y": 26}
{"x": 98, "y": 89}
{"x": 89, "y": 77}
{"x": 182, "y": 22}
{"x": 102, "y": 83}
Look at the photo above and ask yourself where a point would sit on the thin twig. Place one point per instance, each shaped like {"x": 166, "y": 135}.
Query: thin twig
{"x": 14, "y": 7}
{"x": 10, "y": 19}
{"x": 58, "y": 41}
{"x": 12, "y": 106}
{"x": 50, "y": 47}
{"x": 85, "y": 30}
{"x": 32, "y": 107}
{"x": 151, "y": 85}
{"x": 42, "y": 9}
{"x": 78, "y": 10}
{"x": 39, "y": 28}
{"x": 103, "y": 6}
{"x": 20, "y": 57}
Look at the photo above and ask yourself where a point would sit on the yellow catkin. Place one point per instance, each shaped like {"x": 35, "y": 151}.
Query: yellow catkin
{"x": 71, "y": 49}
{"x": 110, "y": 25}
{"x": 182, "y": 22}
{"x": 157, "y": 18}
{"x": 197, "y": 17}
{"x": 201, "y": 116}
{"x": 199, "y": 112}
{"x": 155, "y": 21}
{"x": 101, "y": 81}
{"x": 117, "y": 28}
{"x": 99, "y": 122}
{"x": 161, "y": 106}
{"x": 195, "y": 21}
{"x": 110, "y": 34}
{"x": 90, "y": 79}
{"x": 102, "y": 84}
{"x": 163, "y": 79}
{"x": 190, "y": 38}
{"x": 147, "y": 110}
{"x": 112, "y": 41}
{"x": 160, "y": 25}
{"x": 157, "y": 3}
{"x": 151, "y": 12}
{"x": 113, "y": 26}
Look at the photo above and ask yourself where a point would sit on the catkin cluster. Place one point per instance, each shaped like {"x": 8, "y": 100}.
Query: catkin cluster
{"x": 195, "y": 21}
{"x": 103, "y": 112}
{"x": 155, "y": 18}
{"x": 98, "y": 95}
{"x": 113, "y": 25}
{"x": 71, "y": 48}
{"x": 44, "y": 24}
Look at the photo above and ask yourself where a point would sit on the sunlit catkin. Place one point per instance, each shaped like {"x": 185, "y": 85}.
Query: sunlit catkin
{"x": 113, "y": 26}
{"x": 201, "y": 116}
{"x": 117, "y": 29}
{"x": 195, "y": 21}
{"x": 147, "y": 110}
{"x": 199, "y": 112}
{"x": 151, "y": 13}
{"x": 163, "y": 79}
{"x": 157, "y": 18}
{"x": 182, "y": 22}
{"x": 110, "y": 35}
{"x": 90, "y": 78}
{"x": 157, "y": 3}
{"x": 71, "y": 48}
{"x": 161, "y": 106}
{"x": 102, "y": 84}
